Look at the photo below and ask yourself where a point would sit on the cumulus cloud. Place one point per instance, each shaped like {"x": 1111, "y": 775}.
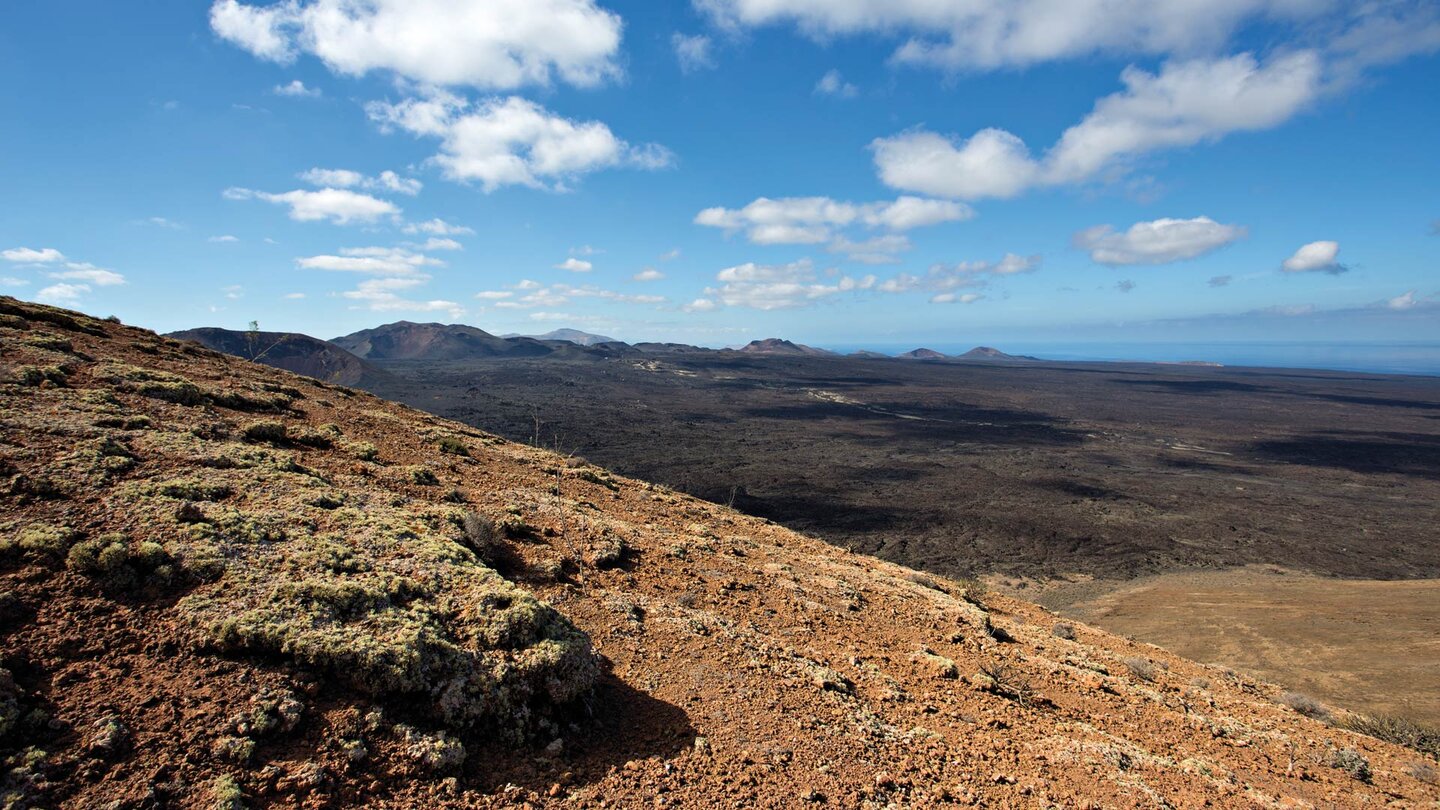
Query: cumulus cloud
{"x": 648, "y": 274}
{"x": 529, "y": 294}
{"x": 1315, "y": 257}
{"x": 345, "y": 178}
{"x": 1159, "y": 242}
{"x": 383, "y": 295}
{"x": 440, "y": 243}
{"x": 223, "y": 239}
{"x": 25, "y": 255}
{"x": 296, "y": 89}
{"x": 1185, "y": 103}
{"x": 876, "y": 250}
{"x": 491, "y": 44}
{"x": 338, "y": 205}
{"x": 575, "y": 265}
{"x": 11, "y": 281}
{"x": 811, "y": 220}
{"x": 375, "y": 261}
{"x": 89, "y": 274}
{"x": 834, "y": 84}
{"x": 994, "y": 34}
{"x": 942, "y": 278}
{"x": 513, "y": 141}
{"x": 692, "y": 52}
{"x": 437, "y": 227}
{"x": 700, "y": 305}
{"x": 772, "y": 287}
{"x": 62, "y": 294}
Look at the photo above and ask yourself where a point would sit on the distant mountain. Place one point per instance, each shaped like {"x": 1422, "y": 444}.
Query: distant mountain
{"x": 670, "y": 348}
{"x": 404, "y": 340}
{"x": 988, "y": 353}
{"x": 291, "y": 351}
{"x": 571, "y": 336}
{"x": 782, "y": 346}
{"x": 921, "y": 354}
{"x": 867, "y": 354}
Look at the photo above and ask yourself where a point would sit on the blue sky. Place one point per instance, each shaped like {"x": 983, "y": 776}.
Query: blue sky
{"x": 850, "y": 172}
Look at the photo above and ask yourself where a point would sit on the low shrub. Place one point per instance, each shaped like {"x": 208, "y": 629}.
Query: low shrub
{"x": 1063, "y": 630}
{"x": 1397, "y": 730}
{"x": 269, "y": 431}
{"x": 1350, "y": 761}
{"x": 188, "y": 489}
{"x": 1141, "y": 668}
{"x": 453, "y": 446}
{"x": 116, "y": 564}
{"x": 1306, "y": 705}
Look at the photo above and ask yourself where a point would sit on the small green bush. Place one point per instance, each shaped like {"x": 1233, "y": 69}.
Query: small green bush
{"x": 40, "y": 540}
{"x": 453, "y": 446}
{"x": 365, "y": 451}
{"x": 186, "y": 489}
{"x": 225, "y": 794}
{"x": 272, "y": 432}
{"x": 116, "y": 564}
{"x": 423, "y": 476}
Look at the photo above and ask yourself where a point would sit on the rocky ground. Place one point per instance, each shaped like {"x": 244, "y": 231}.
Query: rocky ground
{"x": 226, "y": 586}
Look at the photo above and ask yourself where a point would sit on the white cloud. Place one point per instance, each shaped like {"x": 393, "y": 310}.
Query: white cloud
{"x": 876, "y": 250}
{"x": 784, "y": 286}
{"x": 295, "y": 296}
{"x": 534, "y": 295}
{"x": 1159, "y": 242}
{"x": 162, "y": 222}
{"x": 955, "y": 298}
{"x": 233, "y": 292}
{"x": 1403, "y": 301}
{"x": 674, "y": 253}
{"x": 438, "y": 227}
{"x": 1315, "y": 257}
{"x": 575, "y": 265}
{"x": 692, "y": 52}
{"x": 27, "y": 255}
{"x": 296, "y": 89}
{"x": 376, "y": 261}
{"x": 1186, "y": 103}
{"x": 338, "y": 205}
{"x": 90, "y": 274}
{"x": 833, "y": 84}
{"x": 62, "y": 293}
{"x": 989, "y": 34}
{"x": 345, "y": 178}
{"x": 513, "y": 141}
{"x": 700, "y": 305}
{"x": 811, "y": 220}
{"x": 440, "y": 243}
{"x": 648, "y": 274}
{"x": 585, "y": 250}
{"x": 11, "y": 281}
{"x": 493, "y": 44}
{"x": 225, "y": 239}
{"x": 943, "y": 278}
{"x": 381, "y": 295}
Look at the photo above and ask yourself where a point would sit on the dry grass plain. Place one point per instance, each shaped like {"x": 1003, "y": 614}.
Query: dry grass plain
{"x": 1367, "y": 645}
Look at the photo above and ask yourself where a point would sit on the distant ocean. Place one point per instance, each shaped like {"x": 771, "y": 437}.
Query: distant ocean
{"x": 1376, "y": 358}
